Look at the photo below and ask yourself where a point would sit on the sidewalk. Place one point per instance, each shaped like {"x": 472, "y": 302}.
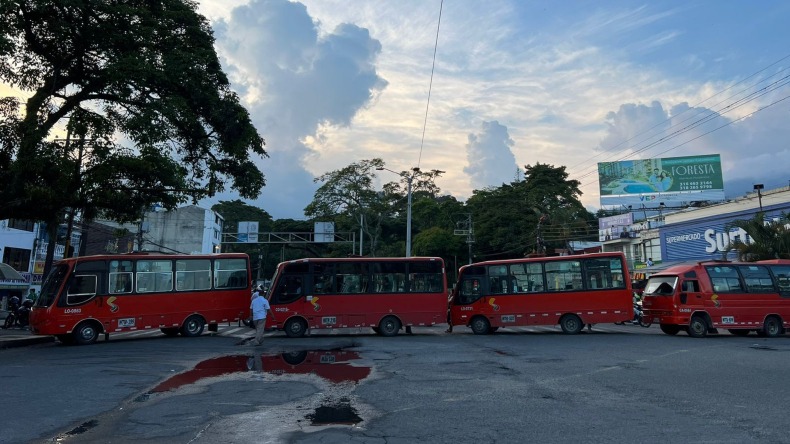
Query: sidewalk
{"x": 18, "y": 337}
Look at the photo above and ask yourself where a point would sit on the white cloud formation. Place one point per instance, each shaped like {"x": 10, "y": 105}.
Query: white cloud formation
{"x": 568, "y": 81}
{"x": 294, "y": 82}
{"x": 490, "y": 161}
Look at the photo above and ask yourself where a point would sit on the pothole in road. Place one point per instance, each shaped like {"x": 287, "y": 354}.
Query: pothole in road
{"x": 79, "y": 430}
{"x": 340, "y": 412}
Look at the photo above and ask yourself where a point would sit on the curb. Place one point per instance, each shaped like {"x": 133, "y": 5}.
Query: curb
{"x": 24, "y": 341}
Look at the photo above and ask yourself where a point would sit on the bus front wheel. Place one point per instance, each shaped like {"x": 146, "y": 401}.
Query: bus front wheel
{"x": 193, "y": 326}
{"x": 571, "y": 324}
{"x": 698, "y": 328}
{"x": 86, "y": 333}
{"x": 480, "y": 326}
{"x": 670, "y": 329}
{"x": 389, "y": 326}
{"x": 295, "y": 327}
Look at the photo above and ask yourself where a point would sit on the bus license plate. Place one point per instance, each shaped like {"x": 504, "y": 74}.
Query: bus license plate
{"x": 126, "y": 322}
{"x": 329, "y": 320}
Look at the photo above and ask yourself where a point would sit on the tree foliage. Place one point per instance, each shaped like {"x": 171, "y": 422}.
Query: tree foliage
{"x": 144, "y": 70}
{"x": 541, "y": 212}
{"x": 769, "y": 240}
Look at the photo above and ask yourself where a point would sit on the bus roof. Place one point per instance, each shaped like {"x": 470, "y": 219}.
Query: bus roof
{"x": 545, "y": 258}
{"x": 149, "y": 254}
{"x": 363, "y": 259}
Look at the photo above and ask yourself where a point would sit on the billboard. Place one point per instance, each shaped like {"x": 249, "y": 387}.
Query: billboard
{"x": 667, "y": 180}
{"x": 612, "y": 227}
{"x": 248, "y": 232}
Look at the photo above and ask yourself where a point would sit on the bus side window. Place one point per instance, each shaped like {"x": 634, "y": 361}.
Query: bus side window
{"x": 691, "y": 286}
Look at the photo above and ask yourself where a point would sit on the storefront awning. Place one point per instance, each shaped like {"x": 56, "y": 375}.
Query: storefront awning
{"x": 10, "y": 279}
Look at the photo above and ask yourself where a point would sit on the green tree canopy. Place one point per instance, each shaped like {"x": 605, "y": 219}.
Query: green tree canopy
{"x": 144, "y": 70}
{"x": 539, "y": 213}
{"x": 769, "y": 239}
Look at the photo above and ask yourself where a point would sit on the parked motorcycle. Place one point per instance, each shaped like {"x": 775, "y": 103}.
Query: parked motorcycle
{"x": 18, "y": 315}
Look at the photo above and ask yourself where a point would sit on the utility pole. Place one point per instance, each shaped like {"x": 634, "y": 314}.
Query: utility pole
{"x": 468, "y": 231}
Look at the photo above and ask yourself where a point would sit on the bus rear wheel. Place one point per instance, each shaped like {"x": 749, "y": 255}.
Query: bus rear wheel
{"x": 193, "y": 326}
{"x": 86, "y": 333}
{"x": 670, "y": 329}
{"x": 698, "y": 328}
{"x": 571, "y": 324}
{"x": 480, "y": 325}
{"x": 772, "y": 326}
{"x": 389, "y": 326}
{"x": 295, "y": 327}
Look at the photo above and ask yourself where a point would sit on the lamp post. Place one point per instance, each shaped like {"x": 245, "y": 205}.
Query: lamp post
{"x": 409, "y": 178}
{"x": 758, "y": 187}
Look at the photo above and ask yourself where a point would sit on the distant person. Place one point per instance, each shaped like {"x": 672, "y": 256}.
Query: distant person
{"x": 649, "y": 262}
{"x": 32, "y": 296}
{"x": 260, "y": 307}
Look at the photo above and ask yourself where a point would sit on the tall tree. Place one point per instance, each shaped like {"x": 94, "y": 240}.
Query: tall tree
{"x": 348, "y": 192}
{"x": 145, "y": 70}
{"x": 537, "y": 214}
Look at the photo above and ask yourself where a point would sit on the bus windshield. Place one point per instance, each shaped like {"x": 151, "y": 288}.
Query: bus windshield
{"x": 661, "y": 285}
{"x": 52, "y": 284}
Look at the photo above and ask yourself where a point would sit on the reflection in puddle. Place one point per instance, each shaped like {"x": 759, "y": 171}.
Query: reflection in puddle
{"x": 338, "y": 413}
{"x": 332, "y": 365}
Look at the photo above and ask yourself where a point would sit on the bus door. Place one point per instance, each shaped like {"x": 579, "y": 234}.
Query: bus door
{"x": 288, "y": 294}
{"x": 79, "y": 299}
{"x": 468, "y": 295}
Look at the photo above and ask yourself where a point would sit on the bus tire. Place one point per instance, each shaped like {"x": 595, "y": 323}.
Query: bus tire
{"x": 571, "y": 324}
{"x": 772, "y": 327}
{"x": 738, "y": 331}
{"x": 294, "y": 357}
{"x": 170, "y": 331}
{"x": 480, "y": 325}
{"x": 193, "y": 326}
{"x": 698, "y": 327}
{"x": 295, "y": 327}
{"x": 670, "y": 329}
{"x": 389, "y": 326}
{"x": 87, "y": 332}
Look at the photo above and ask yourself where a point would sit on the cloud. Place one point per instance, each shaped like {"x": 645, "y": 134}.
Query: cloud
{"x": 652, "y": 131}
{"x": 295, "y": 81}
{"x": 490, "y": 160}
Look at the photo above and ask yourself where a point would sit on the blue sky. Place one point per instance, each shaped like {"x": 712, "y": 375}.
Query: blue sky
{"x": 571, "y": 83}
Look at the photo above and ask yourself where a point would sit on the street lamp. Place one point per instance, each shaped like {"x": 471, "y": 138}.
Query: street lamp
{"x": 409, "y": 178}
{"x": 758, "y": 187}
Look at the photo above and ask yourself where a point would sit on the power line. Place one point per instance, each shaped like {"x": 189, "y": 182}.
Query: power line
{"x": 773, "y": 86}
{"x": 430, "y": 85}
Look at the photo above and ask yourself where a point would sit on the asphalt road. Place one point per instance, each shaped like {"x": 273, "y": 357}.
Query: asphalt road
{"x": 615, "y": 383}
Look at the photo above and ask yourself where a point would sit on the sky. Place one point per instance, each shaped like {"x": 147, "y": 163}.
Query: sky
{"x": 513, "y": 82}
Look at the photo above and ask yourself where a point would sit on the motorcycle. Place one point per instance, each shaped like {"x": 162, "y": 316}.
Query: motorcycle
{"x": 18, "y": 315}
{"x": 639, "y": 318}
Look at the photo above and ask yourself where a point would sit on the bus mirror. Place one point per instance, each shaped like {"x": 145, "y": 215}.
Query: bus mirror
{"x": 683, "y": 297}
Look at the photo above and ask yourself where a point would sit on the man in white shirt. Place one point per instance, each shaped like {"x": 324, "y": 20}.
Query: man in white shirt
{"x": 260, "y": 307}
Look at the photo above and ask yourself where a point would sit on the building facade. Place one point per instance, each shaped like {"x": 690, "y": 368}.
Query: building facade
{"x": 696, "y": 234}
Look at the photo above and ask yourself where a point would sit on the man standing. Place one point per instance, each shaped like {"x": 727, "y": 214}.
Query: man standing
{"x": 260, "y": 307}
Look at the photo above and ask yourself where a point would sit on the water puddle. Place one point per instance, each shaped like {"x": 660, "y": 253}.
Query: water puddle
{"x": 335, "y": 366}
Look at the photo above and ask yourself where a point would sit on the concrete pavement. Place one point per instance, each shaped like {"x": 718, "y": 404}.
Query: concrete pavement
{"x": 19, "y": 337}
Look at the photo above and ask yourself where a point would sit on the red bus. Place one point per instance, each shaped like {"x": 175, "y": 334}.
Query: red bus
{"x": 384, "y": 294}
{"x": 85, "y": 296}
{"x": 567, "y": 290}
{"x": 701, "y": 297}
